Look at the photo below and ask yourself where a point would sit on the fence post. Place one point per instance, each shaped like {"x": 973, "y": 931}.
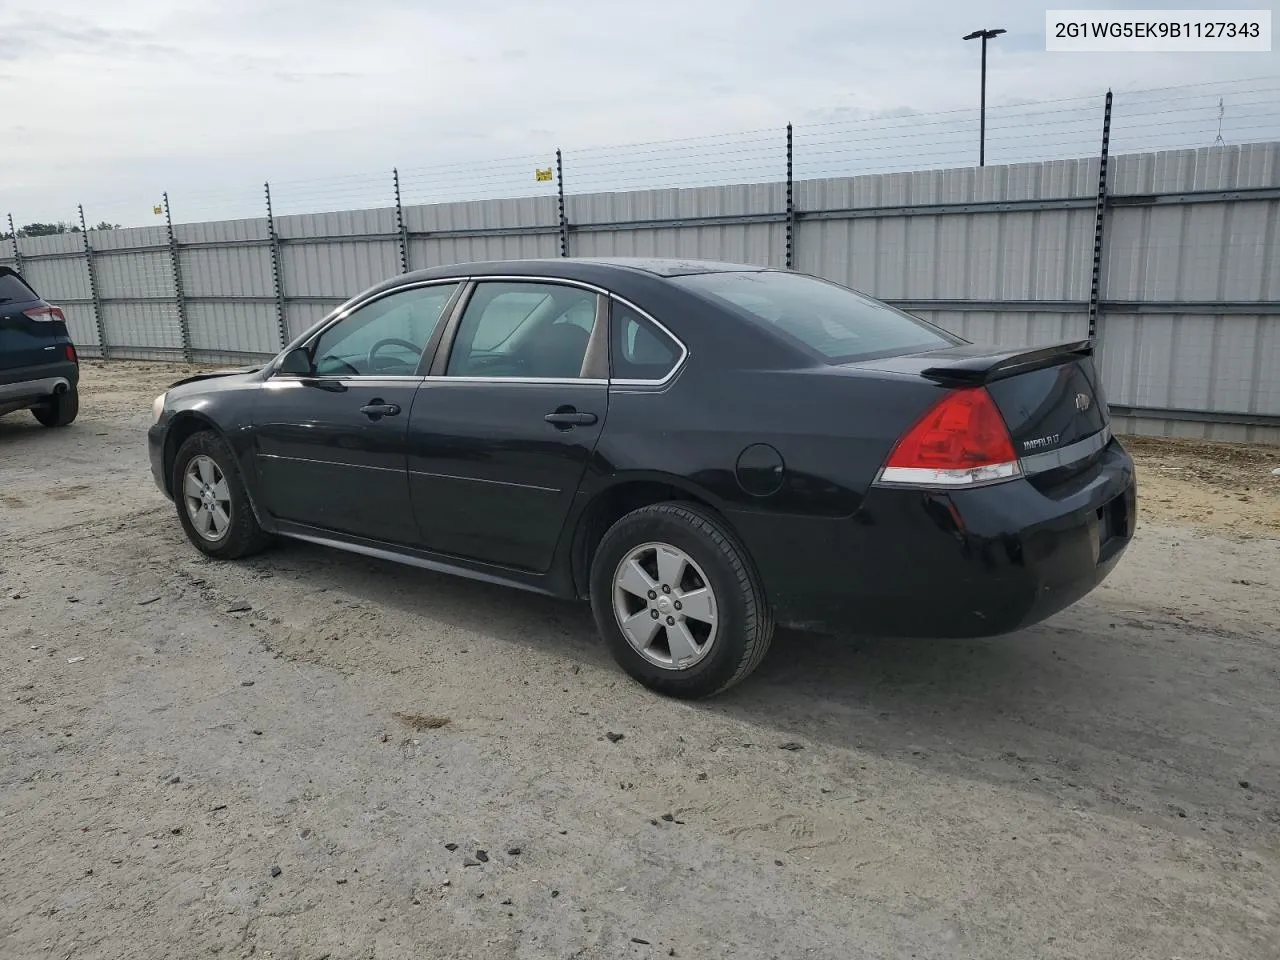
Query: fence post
{"x": 791, "y": 202}
{"x": 564, "y": 222}
{"x": 183, "y": 326}
{"x": 1099, "y": 221}
{"x": 404, "y": 234}
{"x": 17, "y": 254}
{"x": 277, "y": 279}
{"x": 93, "y": 284}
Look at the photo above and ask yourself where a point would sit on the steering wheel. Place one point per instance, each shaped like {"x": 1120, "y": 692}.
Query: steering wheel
{"x": 392, "y": 342}
{"x": 350, "y": 370}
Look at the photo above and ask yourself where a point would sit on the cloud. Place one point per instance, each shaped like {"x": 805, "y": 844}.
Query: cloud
{"x": 33, "y": 39}
{"x": 288, "y": 76}
{"x": 210, "y": 97}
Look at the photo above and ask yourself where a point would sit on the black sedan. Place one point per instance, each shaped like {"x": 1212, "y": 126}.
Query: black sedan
{"x": 701, "y": 449}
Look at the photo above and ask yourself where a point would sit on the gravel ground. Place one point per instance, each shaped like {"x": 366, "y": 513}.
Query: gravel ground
{"x": 303, "y": 755}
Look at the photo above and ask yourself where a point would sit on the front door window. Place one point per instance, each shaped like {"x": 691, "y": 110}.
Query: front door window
{"x": 385, "y": 338}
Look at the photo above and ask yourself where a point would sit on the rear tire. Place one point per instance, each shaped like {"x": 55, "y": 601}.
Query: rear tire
{"x": 59, "y": 410}
{"x": 648, "y": 562}
{"x": 213, "y": 504}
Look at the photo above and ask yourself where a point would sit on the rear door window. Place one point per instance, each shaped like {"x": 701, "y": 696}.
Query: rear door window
{"x": 833, "y": 322}
{"x": 524, "y": 329}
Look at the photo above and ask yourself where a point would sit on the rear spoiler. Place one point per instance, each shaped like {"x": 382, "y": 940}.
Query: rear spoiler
{"x": 986, "y": 368}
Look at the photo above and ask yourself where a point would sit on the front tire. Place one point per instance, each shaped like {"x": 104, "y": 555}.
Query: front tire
{"x": 213, "y": 504}
{"x": 678, "y": 601}
{"x": 59, "y": 410}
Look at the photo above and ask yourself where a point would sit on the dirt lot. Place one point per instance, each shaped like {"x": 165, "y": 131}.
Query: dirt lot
{"x": 276, "y": 758}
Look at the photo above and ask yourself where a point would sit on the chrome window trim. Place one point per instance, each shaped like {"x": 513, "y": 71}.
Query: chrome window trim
{"x": 1065, "y": 456}
{"x": 675, "y": 369}
{"x": 562, "y": 381}
{"x": 310, "y": 337}
{"x": 609, "y": 295}
{"x": 546, "y": 281}
{"x": 360, "y": 380}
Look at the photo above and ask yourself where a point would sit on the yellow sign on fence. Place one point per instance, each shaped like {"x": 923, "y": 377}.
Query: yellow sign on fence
{"x": 541, "y": 175}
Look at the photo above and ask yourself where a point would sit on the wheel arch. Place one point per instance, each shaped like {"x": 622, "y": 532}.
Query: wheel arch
{"x": 187, "y": 423}
{"x": 615, "y": 500}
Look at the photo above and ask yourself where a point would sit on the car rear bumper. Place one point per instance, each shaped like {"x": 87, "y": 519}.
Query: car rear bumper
{"x": 966, "y": 563}
{"x": 38, "y": 382}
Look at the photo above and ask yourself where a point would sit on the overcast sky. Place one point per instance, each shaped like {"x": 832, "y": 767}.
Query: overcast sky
{"x": 109, "y": 103}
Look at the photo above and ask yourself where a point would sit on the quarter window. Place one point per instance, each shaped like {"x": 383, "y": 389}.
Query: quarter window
{"x": 638, "y": 350}
{"x": 520, "y": 329}
{"x": 384, "y": 338}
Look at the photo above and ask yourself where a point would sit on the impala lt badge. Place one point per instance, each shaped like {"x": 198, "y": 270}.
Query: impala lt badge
{"x": 1041, "y": 442}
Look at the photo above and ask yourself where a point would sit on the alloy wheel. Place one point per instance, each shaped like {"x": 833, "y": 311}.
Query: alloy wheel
{"x": 665, "y": 606}
{"x": 207, "y": 497}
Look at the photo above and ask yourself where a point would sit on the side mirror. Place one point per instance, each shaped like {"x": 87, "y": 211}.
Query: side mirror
{"x": 297, "y": 363}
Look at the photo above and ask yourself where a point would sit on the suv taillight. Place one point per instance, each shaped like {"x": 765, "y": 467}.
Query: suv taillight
{"x": 71, "y": 353}
{"x": 47, "y": 313}
{"x": 961, "y": 441}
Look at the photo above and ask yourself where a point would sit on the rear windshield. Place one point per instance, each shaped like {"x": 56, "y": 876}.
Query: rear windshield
{"x": 13, "y": 290}
{"x": 827, "y": 319}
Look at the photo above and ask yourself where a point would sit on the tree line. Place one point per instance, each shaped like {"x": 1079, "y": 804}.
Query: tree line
{"x": 49, "y": 229}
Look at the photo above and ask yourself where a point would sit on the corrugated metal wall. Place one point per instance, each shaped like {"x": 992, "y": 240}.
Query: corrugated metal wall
{"x": 761, "y": 243}
{"x": 1188, "y": 328}
{"x": 239, "y": 265}
{"x": 1182, "y": 359}
{"x": 57, "y": 264}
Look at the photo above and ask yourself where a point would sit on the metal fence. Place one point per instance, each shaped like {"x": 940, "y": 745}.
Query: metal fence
{"x": 1171, "y": 259}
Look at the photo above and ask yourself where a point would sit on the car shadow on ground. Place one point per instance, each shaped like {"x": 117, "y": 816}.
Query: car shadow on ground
{"x": 863, "y": 692}
{"x": 19, "y": 424}
{"x": 1094, "y": 707}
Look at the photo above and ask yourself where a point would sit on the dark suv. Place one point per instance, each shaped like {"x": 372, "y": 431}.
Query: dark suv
{"x": 39, "y": 369}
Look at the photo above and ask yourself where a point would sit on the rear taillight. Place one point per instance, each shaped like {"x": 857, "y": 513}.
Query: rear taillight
{"x": 961, "y": 441}
{"x": 46, "y": 313}
{"x": 71, "y": 353}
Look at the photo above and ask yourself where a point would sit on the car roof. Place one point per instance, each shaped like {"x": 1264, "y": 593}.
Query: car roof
{"x": 586, "y": 269}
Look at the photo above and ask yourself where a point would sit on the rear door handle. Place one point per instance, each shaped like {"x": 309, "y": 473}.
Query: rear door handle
{"x": 570, "y": 418}
{"x": 376, "y": 409}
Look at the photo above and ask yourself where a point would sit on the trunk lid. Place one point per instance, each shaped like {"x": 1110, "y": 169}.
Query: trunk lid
{"x": 1050, "y": 397}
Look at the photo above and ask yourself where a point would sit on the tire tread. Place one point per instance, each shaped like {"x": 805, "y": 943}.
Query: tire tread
{"x": 246, "y": 537}
{"x": 758, "y": 625}
{"x": 60, "y": 411}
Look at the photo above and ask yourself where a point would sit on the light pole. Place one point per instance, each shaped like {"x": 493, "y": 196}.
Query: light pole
{"x": 984, "y": 35}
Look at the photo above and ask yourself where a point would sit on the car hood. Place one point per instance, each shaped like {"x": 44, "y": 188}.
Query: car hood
{"x": 213, "y": 374}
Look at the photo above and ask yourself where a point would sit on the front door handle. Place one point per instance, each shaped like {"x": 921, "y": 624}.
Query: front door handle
{"x": 564, "y": 418}
{"x": 376, "y": 409}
